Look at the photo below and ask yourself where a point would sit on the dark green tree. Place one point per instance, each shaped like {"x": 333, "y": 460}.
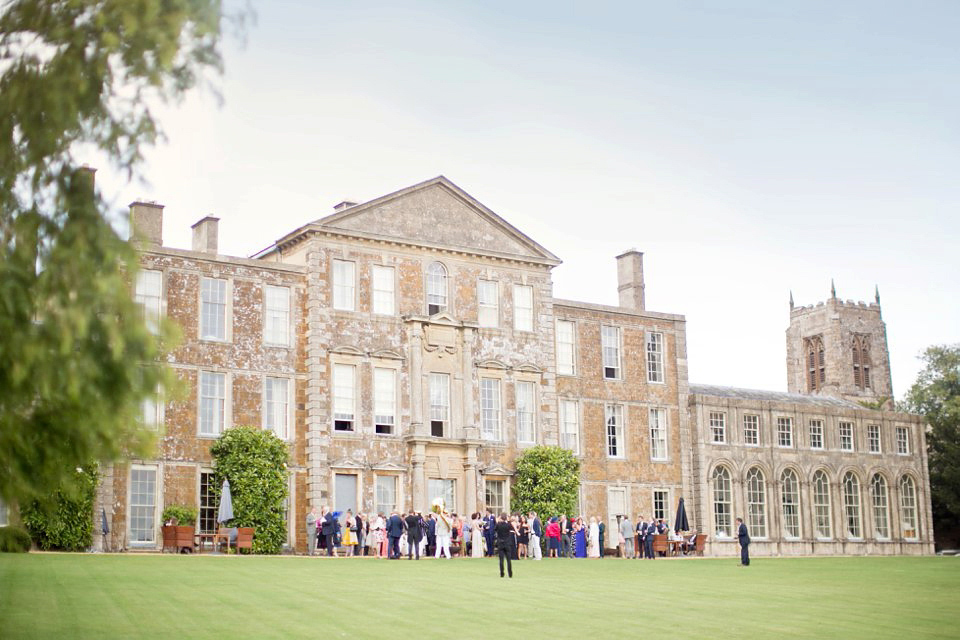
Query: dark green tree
{"x": 77, "y": 79}
{"x": 936, "y": 396}
{"x": 64, "y": 519}
{"x": 255, "y": 463}
{"x": 547, "y": 480}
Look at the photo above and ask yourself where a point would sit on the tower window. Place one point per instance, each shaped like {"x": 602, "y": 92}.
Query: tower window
{"x": 861, "y": 361}
{"x": 816, "y": 369}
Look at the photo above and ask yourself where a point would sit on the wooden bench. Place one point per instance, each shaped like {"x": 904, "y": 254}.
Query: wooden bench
{"x": 660, "y": 543}
{"x": 177, "y": 539}
{"x": 700, "y": 544}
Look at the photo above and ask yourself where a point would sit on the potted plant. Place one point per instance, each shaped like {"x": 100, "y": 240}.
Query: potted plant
{"x": 178, "y": 528}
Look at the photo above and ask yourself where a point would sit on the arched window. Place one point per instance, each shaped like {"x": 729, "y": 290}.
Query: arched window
{"x": 821, "y": 505}
{"x": 790, "y": 498}
{"x": 816, "y": 368}
{"x": 756, "y": 503}
{"x": 436, "y": 288}
{"x": 861, "y": 361}
{"x": 851, "y": 505}
{"x": 908, "y": 508}
{"x": 881, "y": 518}
{"x": 722, "y": 496}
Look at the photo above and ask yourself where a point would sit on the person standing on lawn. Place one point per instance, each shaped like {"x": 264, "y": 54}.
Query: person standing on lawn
{"x": 534, "y": 535}
{"x": 505, "y": 542}
{"x": 312, "y": 531}
{"x": 414, "y": 533}
{"x": 328, "y": 528}
{"x": 394, "y": 531}
{"x": 743, "y": 537}
{"x": 626, "y": 537}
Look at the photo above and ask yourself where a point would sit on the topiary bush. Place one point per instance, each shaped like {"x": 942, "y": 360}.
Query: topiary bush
{"x": 255, "y": 462}
{"x": 186, "y": 516}
{"x": 14, "y": 540}
{"x": 64, "y": 520}
{"x": 547, "y": 481}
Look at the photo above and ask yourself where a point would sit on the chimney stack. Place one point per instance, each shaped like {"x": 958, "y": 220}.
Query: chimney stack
{"x": 205, "y": 235}
{"x": 630, "y": 280}
{"x": 146, "y": 223}
{"x": 346, "y": 204}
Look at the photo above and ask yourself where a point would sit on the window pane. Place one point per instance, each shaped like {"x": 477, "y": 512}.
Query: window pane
{"x": 790, "y": 498}
{"x": 442, "y": 488}
{"x": 658, "y": 434}
{"x": 143, "y": 502}
{"x": 566, "y": 348}
{"x": 522, "y": 308}
{"x": 277, "y": 316}
{"x": 846, "y": 436}
{"x": 654, "y": 357}
{"x": 213, "y": 314}
{"x": 570, "y": 426}
{"x": 718, "y": 426}
{"x": 526, "y": 432}
{"x": 383, "y": 291}
{"x": 908, "y": 507}
{"x": 384, "y": 400}
{"x": 436, "y": 288}
{"x": 881, "y": 521}
{"x": 821, "y": 504}
{"x": 610, "y": 339}
{"x": 439, "y": 403}
{"x": 344, "y": 279}
{"x": 490, "y": 408}
{"x": 851, "y": 505}
{"x": 212, "y": 401}
{"x": 615, "y": 444}
{"x": 386, "y": 494}
{"x": 816, "y": 434}
{"x": 751, "y": 430}
{"x": 785, "y": 432}
{"x": 488, "y": 304}
{"x": 277, "y": 409}
{"x": 493, "y": 496}
{"x": 756, "y": 503}
{"x": 722, "y": 498}
{"x": 344, "y": 398}
{"x": 148, "y": 293}
{"x": 208, "y": 503}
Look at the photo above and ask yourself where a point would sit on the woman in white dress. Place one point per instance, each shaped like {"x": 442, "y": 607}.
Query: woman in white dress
{"x": 476, "y": 533}
{"x": 593, "y": 539}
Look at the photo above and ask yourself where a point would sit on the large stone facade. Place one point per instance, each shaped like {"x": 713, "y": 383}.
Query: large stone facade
{"x": 411, "y": 347}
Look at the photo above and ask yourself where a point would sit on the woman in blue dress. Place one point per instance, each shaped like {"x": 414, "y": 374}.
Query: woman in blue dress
{"x": 580, "y": 539}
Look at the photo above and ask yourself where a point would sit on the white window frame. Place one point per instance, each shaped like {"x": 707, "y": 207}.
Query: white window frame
{"x": 908, "y": 508}
{"x": 384, "y": 280}
{"x": 880, "y": 499}
{"x": 790, "y": 504}
{"x": 616, "y": 442}
{"x": 343, "y": 382}
{"x": 445, "y": 488}
{"x": 152, "y": 410}
{"x": 784, "y": 432}
{"x": 439, "y": 398}
{"x": 522, "y": 307}
{"x": 751, "y": 430}
{"x": 344, "y": 280}
{"x": 379, "y": 491}
{"x": 755, "y": 486}
{"x": 655, "y": 349}
{"x": 148, "y": 292}
{"x": 718, "y": 427}
{"x": 278, "y": 406}
{"x": 276, "y": 316}
{"x": 438, "y": 280}
{"x": 212, "y": 405}
{"x": 215, "y": 309}
{"x": 722, "y": 500}
{"x": 488, "y": 304}
{"x": 903, "y": 441}
{"x": 570, "y": 425}
{"x": 491, "y": 414}
{"x": 610, "y": 346}
{"x": 384, "y": 400}
{"x": 852, "y": 503}
{"x": 874, "y": 444}
{"x": 658, "y": 434}
{"x": 816, "y": 434}
{"x": 566, "y": 348}
{"x": 150, "y": 511}
{"x": 526, "y": 403}
{"x": 500, "y": 487}
{"x": 822, "y": 512}
{"x": 663, "y": 511}
{"x": 846, "y": 435}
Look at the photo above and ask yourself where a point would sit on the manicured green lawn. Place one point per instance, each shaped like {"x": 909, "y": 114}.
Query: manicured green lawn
{"x": 169, "y": 596}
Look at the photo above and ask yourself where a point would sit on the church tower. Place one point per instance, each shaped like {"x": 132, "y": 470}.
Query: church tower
{"x": 839, "y": 348}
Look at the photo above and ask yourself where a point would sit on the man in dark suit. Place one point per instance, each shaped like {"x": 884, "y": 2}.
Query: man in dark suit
{"x": 414, "y": 535}
{"x": 649, "y": 530}
{"x": 505, "y": 544}
{"x": 489, "y": 530}
{"x": 328, "y": 528}
{"x": 431, "y": 534}
{"x": 394, "y": 532}
{"x": 743, "y": 537}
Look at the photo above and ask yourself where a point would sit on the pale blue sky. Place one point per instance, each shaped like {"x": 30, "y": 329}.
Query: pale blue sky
{"x": 748, "y": 148}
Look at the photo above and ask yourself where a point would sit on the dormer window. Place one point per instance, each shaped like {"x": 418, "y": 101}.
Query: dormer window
{"x": 436, "y": 288}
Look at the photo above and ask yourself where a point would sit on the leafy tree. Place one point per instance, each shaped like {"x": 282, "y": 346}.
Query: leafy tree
{"x": 64, "y": 519}
{"x": 255, "y": 463}
{"x": 936, "y": 396}
{"x": 79, "y": 76}
{"x": 547, "y": 481}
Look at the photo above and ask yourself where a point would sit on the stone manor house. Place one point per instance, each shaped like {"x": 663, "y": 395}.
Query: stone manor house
{"x": 411, "y": 347}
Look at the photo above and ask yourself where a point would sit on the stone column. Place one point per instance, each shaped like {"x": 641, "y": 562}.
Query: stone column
{"x": 419, "y": 490}
{"x": 470, "y": 477}
{"x": 467, "y": 371}
{"x": 416, "y": 379}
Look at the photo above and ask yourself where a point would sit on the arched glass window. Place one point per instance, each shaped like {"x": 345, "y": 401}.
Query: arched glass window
{"x": 821, "y": 504}
{"x": 881, "y": 513}
{"x": 908, "y": 508}
{"x": 436, "y": 288}
{"x": 851, "y": 505}
{"x": 790, "y": 498}
{"x": 722, "y": 497}
{"x": 756, "y": 503}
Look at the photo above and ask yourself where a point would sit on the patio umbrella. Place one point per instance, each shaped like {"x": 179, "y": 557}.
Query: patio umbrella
{"x": 104, "y": 529}
{"x": 226, "y": 503}
{"x": 681, "y": 524}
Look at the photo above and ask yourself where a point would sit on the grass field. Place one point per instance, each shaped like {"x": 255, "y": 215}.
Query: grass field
{"x": 170, "y": 596}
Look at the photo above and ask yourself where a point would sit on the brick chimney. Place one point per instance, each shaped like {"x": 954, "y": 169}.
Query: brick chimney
{"x": 146, "y": 223}
{"x": 630, "y": 280}
{"x": 205, "y": 235}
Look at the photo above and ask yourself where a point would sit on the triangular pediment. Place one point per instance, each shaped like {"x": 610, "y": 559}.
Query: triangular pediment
{"x": 496, "y": 469}
{"x": 437, "y": 213}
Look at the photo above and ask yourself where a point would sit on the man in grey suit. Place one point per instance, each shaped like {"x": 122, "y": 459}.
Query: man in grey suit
{"x": 312, "y": 531}
{"x": 627, "y": 532}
